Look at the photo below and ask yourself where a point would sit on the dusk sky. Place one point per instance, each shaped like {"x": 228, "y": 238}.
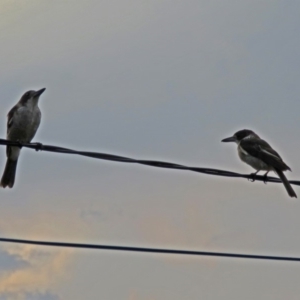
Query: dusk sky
{"x": 159, "y": 80}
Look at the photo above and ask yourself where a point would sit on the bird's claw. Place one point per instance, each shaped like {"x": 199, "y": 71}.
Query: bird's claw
{"x": 20, "y": 144}
{"x": 38, "y": 146}
{"x": 253, "y": 176}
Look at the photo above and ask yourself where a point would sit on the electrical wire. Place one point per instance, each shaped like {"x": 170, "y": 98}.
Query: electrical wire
{"x": 150, "y": 250}
{"x": 151, "y": 163}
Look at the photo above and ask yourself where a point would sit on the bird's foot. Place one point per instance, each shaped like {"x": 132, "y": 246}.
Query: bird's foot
{"x": 20, "y": 144}
{"x": 266, "y": 178}
{"x": 38, "y": 146}
{"x": 253, "y": 177}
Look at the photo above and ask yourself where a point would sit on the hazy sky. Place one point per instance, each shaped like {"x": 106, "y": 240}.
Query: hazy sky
{"x": 155, "y": 79}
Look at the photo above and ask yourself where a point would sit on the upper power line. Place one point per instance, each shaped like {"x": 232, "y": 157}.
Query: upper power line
{"x": 151, "y": 163}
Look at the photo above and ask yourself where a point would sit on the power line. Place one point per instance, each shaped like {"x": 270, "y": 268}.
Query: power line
{"x": 151, "y": 163}
{"x": 150, "y": 250}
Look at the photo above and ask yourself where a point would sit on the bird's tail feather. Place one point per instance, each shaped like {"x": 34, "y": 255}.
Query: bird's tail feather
{"x": 8, "y": 177}
{"x": 286, "y": 183}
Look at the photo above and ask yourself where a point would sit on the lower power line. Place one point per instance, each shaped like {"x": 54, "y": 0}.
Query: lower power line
{"x": 150, "y": 250}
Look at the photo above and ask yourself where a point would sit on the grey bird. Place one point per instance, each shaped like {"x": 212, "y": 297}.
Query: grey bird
{"x": 23, "y": 121}
{"x": 257, "y": 153}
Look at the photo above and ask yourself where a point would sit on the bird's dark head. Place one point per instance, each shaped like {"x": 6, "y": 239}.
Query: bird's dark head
{"x": 240, "y": 135}
{"x": 31, "y": 95}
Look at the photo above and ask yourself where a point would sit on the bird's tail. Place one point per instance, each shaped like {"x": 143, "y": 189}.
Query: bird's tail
{"x": 8, "y": 177}
{"x": 286, "y": 183}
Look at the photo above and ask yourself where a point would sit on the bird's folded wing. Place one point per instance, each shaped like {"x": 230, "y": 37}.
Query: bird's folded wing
{"x": 263, "y": 151}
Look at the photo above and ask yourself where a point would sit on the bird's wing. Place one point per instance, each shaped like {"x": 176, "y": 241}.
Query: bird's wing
{"x": 262, "y": 150}
{"x": 10, "y": 117}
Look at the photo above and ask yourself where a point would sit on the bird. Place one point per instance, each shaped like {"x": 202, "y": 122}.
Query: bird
{"x": 257, "y": 153}
{"x": 23, "y": 121}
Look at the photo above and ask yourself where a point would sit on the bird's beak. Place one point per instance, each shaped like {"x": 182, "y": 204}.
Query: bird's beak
{"x": 230, "y": 139}
{"x": 39, "y": 92}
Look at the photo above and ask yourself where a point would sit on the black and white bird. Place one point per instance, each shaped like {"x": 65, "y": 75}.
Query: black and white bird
{"x": 23, "y": 121}
{"x": 260, "y": 155}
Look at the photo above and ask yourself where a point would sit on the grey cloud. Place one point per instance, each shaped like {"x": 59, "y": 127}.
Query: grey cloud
{"x": 30, "y": 296}
{"x": 9, "y": 262}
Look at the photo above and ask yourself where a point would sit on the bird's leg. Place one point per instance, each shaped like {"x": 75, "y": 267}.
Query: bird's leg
{"x": 266, "y": 177}
{"x": 253, "y": 175}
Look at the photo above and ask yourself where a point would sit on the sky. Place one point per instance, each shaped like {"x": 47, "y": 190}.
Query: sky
{"x": 159, "y": 80}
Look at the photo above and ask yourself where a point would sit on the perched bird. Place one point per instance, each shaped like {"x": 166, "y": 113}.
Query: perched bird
{"x": 260, "y": 155}
{"x": 23, "y": 121}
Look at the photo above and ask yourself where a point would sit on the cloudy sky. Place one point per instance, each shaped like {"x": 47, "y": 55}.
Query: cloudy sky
{"x": 163, "y": 80}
